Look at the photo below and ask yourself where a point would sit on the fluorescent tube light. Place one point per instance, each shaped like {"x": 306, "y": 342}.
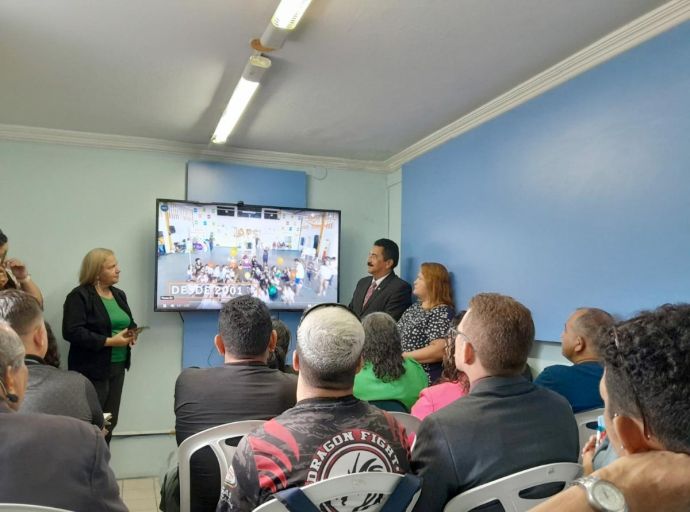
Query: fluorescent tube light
{"x": 288, "y": 13}
{"x": 239, "y": 100}
{"x": 241, "y": 96}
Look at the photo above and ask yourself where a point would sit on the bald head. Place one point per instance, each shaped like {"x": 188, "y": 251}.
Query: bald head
{"x": 581, "y": 331}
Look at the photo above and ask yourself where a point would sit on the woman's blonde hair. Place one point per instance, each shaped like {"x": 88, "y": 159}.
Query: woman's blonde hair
{"x": 437, "y": 281}
{"x": 92, "y": 264}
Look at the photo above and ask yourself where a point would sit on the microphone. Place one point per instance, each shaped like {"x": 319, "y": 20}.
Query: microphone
{"x": 10, "y": 396}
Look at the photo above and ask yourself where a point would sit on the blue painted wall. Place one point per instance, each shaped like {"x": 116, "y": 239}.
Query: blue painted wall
{"x": 579, "y": 197}
{"x": 219, "y": 182}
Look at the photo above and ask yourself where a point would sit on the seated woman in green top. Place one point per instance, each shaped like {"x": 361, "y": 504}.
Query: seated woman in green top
{"x": 386, "y": 375}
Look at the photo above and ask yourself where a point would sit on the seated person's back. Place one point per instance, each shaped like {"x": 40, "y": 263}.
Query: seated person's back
{"x": 505, "y": 424}
{"x": 243, "y": 388}
{"x": 328, "y": 433}
{"x": 63, "y": 392}
{"x": 386, "y": 375}
{"x": 579, "y": 383}
{"x": 207, "y": 397}
{"x": 48, "y": 460}
{"x": 50, "y": 390}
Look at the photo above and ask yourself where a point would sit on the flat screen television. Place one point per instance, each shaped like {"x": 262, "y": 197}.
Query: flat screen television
{"x": 208, "y": 253}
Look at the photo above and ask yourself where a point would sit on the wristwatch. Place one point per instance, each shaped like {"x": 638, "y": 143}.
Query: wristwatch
{"x": 602, "y": 495}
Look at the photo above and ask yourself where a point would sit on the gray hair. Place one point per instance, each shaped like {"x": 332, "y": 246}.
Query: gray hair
{"x": 11, "y": 349}
{"x": 329, "y": 345}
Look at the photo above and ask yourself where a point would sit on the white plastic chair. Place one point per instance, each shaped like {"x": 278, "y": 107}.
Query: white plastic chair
{"x": 215, "y": 438}
{"x": 19, "y": 507}
{"x": 582, "y": 419}
{"x": 507, "y": 489}
{"x": 411, "y": 423}
{"x": 346, "y": 485}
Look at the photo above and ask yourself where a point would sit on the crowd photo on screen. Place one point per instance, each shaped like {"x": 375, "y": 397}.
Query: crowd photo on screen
{"x": 209, "y": 253}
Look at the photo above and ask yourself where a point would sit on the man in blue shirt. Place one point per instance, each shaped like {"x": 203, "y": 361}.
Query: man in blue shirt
{"x": 579, "y": 383}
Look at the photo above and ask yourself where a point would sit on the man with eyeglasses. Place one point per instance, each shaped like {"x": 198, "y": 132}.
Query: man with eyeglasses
{"x": 505, "y": 424}
{"x": 328, "y": 432}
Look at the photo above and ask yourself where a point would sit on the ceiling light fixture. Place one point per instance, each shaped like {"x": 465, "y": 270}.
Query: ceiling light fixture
{"x": 285, "y": 19}
{"x": 241, "y": 96}
{"x": 287, "y": 16}
{"x": 289, "y": 12}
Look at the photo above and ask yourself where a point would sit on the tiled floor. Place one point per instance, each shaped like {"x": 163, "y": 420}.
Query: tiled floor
{"x": 140, "y": 494}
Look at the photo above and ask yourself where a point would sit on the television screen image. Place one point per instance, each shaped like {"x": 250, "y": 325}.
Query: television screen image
{"x": 209, "y": 253}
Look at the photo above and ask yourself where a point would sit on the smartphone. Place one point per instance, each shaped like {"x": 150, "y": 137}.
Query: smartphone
{"x": 139, "y": 329}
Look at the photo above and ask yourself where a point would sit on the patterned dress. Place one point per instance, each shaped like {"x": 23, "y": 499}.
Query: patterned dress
{"x": 418, "y": 327}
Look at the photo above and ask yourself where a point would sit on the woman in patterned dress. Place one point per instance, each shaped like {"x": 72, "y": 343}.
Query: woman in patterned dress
{"x": 424, "y": 326}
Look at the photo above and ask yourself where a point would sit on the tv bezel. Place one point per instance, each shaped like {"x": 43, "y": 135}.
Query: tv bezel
{"x": 239, "y": 203}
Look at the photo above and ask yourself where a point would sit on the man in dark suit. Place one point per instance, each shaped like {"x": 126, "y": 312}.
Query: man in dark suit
{"x": 383, "y": 291}
{"x": 505, "y": 424}
{"x": 48, "y": 460}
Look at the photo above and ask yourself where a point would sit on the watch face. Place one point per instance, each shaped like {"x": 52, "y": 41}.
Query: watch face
{"x": 608, "y": 496}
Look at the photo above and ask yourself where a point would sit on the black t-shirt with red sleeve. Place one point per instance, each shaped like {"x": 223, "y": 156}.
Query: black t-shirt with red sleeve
{"x": 317, "y": 439}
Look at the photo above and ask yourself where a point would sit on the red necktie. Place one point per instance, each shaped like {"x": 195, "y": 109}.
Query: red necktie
{"x": 370, "y": 292}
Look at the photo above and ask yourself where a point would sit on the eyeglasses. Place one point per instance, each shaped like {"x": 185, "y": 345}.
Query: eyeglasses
{"x": 453, "y": 333}
{"x": 631, "y": 384}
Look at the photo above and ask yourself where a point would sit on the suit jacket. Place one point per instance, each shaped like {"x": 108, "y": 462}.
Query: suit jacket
{"x": 393, "y": 296}
{"x": 86, "y": 326}
{"x": 55, "y": 461}
{"x": 54, "y": 391}
{"x": 504, "y": 425}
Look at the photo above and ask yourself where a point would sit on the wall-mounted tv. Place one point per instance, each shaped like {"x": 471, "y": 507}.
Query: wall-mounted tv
{"x": 208, "y": 253}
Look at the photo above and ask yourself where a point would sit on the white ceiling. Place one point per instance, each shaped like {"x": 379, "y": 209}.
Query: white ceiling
{"x": 359, "y": 79}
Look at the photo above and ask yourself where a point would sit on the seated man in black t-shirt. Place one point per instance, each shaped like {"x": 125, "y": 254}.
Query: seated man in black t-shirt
{"x": 328, "y": 433}
{"x": 243, "y": 388}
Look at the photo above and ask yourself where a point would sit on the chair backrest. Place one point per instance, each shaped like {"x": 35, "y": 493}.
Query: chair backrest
{"x": 214, "y": 437}
{"x": 390, "y": 405}
{"x": 411, "y": 423}
{"x": 587, "y": 424}
{"x": 507, "y": 489}
{"x": 20, "y": 507}
{"x": 349, "y": 485}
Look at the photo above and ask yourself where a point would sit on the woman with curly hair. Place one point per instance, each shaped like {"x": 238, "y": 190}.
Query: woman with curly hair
{"x": 386, "y": 375}
{"x": 452, "y": 385}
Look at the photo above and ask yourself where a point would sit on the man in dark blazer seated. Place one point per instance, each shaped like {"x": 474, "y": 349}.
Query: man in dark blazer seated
{"x": 48, "y": 460}
{"x": 505, "y": 424}
{"x": 383, "y": 291}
